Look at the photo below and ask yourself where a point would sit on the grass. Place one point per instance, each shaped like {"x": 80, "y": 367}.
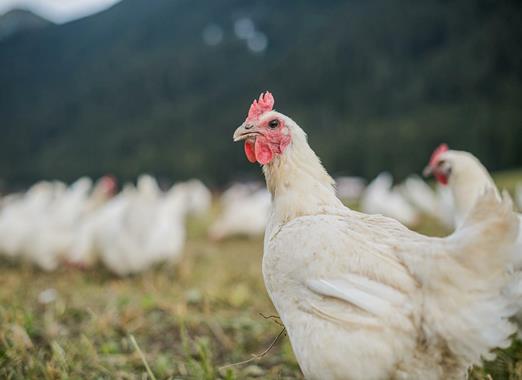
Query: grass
{"x": 182, "y": 322}
{"x": 187, "y": 321}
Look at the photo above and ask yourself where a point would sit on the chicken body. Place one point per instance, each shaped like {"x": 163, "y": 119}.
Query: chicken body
{"x": 430, "y": 202}
{"x": 145, "y": 226}
{"x": 41, "y": 225}
{"x": 363, "y": 297}
{"x": 243, "y": 214}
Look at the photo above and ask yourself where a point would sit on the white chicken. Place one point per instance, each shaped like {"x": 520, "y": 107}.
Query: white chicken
{"x": 465, "y": 176}
{"x": 19, "y": 216}
{"x": 239, "y": 190}
{"x": 52, "y": 230}
{"x": 350, "y": 189}
{"x": 380, "y": 198}
{"x": 144, "y": 226}
{"x": 41, "y": 224}
{"x": 429, "y": 202}
{"x": 361, "y": 296}
{"x": 244, "y": 213}
{"x": 80, "y": 252}
{"x": 197, "y": 195}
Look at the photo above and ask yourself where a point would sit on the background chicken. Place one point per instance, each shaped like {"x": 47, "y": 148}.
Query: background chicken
{"x": 42, "y": 225}
{"x": 146, "y": 226}
{"x": 429, "y": 202}
{"x": 380, "y": 197}
{"x": 244, "y": 212}
{"x": 467, "y": 178}
{"x": 362, "y": 296}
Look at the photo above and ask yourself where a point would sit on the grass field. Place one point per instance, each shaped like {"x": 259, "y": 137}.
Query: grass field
{"x": 182, "y": 322}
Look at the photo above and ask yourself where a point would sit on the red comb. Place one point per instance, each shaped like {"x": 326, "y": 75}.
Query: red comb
{"x": 259, "y": 106}
{"x": 437, "y": 152}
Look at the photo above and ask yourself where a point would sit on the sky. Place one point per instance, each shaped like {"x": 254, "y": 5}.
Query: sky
{"x": 58, "y": 11}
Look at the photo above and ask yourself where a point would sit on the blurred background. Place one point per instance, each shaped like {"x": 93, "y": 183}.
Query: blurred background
{"x": 159, "y": 86}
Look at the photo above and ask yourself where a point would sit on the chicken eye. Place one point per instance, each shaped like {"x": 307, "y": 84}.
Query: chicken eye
{"x": 273, "y": 124}
{"x": 441, "y": 163}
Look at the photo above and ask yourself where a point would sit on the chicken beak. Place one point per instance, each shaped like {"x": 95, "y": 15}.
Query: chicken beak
{"x": 238, "y": 133}
{"x": 428, "y": 171}
{"x": 245, "y": 131}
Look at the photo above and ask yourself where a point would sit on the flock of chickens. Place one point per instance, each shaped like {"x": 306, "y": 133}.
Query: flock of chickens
{"x": 361, "y": 296}
{"x": 52, "y": 224}
{"x": 78, "y": 225}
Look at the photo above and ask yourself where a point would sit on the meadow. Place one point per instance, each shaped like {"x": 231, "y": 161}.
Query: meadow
{"x": 194, "y": 320}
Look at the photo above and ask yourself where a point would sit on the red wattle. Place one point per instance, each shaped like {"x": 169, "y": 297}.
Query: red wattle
{"x": 441, "y": 178}
{"x": 249, "y": 151}
{"x": 263, "y": 151}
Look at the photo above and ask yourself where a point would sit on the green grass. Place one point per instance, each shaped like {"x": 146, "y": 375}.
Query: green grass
{"x": 188, "y": 321}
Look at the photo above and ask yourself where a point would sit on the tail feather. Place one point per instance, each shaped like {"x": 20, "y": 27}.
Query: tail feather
{"x": 467, "y": 306}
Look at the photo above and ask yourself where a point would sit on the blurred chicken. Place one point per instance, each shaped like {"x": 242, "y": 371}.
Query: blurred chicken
{"x": 429, "y": 202}
{"x": 244, "y": 213}
{"x": 198, "y": 197}
{"x": 465, "y": 176}
{"x": 145, "y": 226}
{"x": 380, "y": 198}
{"x": 41, "y": 224}
{"x": 239, "y": 190}
{"x": 80, "y": 252}
{"x": 350, "y": 189}
{"x": 19, "y": 216}
{"x": 363, "y": 297}
{"x": 54, "y": 232}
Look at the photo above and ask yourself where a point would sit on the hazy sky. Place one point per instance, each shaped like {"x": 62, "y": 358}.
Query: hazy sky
{"x": 58, "y": 10}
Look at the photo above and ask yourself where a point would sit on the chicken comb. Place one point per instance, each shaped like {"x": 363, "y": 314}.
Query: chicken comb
{"x": 259, "y": 106}
{"x": 442, "y": 148}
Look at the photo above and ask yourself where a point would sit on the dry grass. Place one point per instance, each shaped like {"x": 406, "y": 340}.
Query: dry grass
{"x": 188, "y": 321}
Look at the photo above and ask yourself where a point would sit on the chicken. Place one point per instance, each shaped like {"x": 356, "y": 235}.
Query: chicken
{"x": 52, "y": 230}
{"x": 42, "y": 224}
{"x": 361, "y": 296}
{"x": 55, "y": 231}
{"x": 429, "y": 202}
{"x": 465, "y": 176}
{"x": 145, "y": 226}
{"x": 197, "y": 196}
{"x": 381, "y": 198}
{"x": 80, "y": 253}
{"x": 350, "y": 189}
{"x": 244, "y": 213}
{"x": 19, "y": 216}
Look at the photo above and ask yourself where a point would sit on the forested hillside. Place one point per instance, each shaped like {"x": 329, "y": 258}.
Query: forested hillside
{"x": 377, "y": 85}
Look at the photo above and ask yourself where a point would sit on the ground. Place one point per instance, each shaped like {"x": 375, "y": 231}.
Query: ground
{"x": 188, "y": 321}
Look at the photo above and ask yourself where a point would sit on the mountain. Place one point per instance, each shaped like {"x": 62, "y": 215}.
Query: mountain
{"x": 19, "y": 20}
{"x": 160, "y": 86}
